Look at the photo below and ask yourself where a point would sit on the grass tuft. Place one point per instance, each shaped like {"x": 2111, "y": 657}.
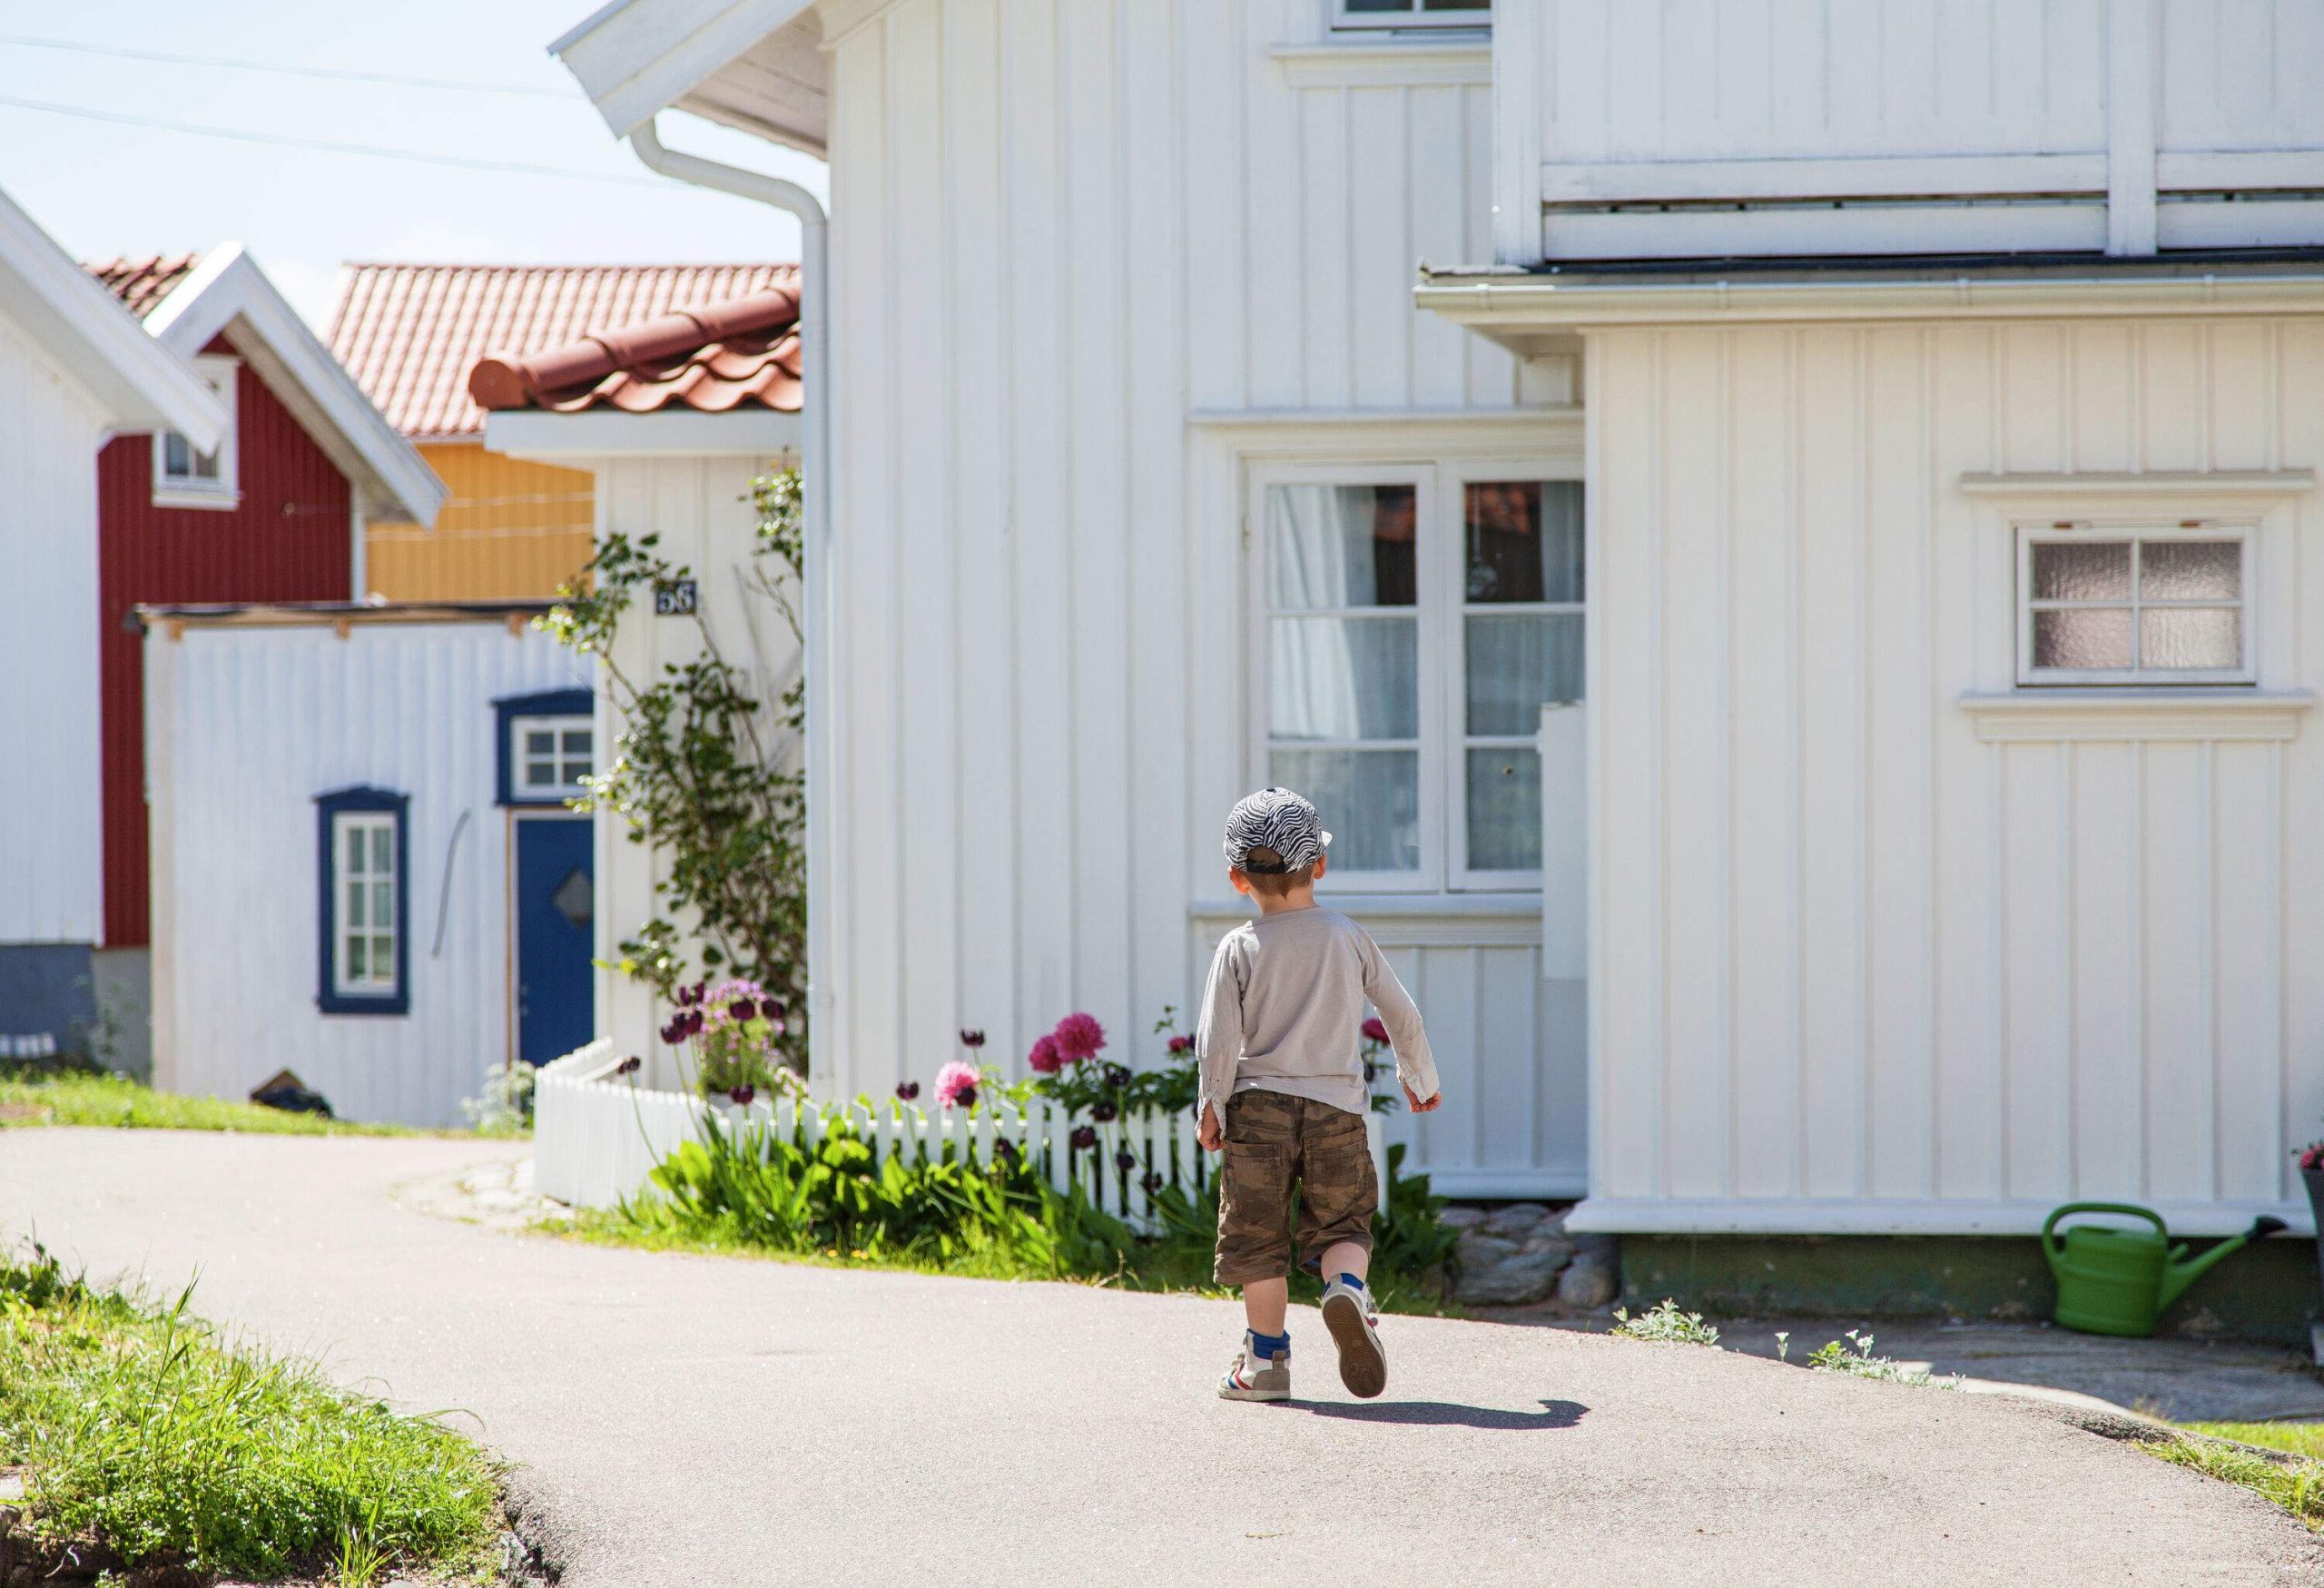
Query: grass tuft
{"x": 139, "y": 1427}
{"x": 81, "y": 1097}
{"x": 2297, "y": 1485}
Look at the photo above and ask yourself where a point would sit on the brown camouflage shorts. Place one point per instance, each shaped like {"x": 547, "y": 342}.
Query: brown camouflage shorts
{"x": 1275, "y": 1143}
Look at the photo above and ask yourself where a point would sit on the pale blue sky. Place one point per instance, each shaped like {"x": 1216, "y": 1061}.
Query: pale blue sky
{"x": 102, "y": 189}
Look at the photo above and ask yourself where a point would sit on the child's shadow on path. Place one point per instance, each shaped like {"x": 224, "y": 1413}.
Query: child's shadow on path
{"x": 1553, "y": 1414}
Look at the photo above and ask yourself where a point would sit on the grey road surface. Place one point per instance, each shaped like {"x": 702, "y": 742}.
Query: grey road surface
{"x": 703, "y": 1421}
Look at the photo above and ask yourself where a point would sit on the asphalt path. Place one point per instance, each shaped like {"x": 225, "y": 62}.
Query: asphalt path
{"x": 703, "y": 1421}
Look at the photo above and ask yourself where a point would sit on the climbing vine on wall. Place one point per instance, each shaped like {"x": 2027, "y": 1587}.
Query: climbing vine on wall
{"x": 705, "y": 771}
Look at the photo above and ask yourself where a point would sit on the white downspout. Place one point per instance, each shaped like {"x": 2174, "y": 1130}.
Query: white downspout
{"x": 815, "y": 411}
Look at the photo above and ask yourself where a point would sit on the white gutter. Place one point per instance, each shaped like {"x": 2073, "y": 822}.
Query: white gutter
{"x": 815, "y": 411}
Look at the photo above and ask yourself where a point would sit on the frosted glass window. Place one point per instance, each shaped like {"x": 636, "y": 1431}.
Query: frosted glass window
{"x": 2133, "y": 608}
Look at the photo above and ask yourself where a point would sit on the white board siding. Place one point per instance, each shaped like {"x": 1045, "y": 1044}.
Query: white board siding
{"x": 701, "y": 508}
{"x": 51, "y": 842}
{"x": 1056, "y": 231}
{"x": 1852, "y": 956}
{"x": 244, "y": 728}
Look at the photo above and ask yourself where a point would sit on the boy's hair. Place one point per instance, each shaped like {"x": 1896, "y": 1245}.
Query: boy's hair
{"x": 1263, "y": 868}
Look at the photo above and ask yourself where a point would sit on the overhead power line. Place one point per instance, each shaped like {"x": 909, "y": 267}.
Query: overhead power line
{"x": 331, "y": 146}
{"x": 337, "y": 73}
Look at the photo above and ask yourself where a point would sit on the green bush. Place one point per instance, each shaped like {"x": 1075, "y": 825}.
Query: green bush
{"x": 143, "y": 1429}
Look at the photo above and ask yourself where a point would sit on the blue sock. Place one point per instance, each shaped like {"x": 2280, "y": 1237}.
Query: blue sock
{"x": 1270, "y": 1347}
{"x": 1351, "y": 1281}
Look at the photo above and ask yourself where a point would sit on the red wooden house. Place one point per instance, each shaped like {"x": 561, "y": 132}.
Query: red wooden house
{"x": 276, "y": 513}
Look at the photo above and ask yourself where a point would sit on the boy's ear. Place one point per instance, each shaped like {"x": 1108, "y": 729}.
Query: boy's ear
{"x": 1237, "y": 880}
{"x": 1323, "y": 863}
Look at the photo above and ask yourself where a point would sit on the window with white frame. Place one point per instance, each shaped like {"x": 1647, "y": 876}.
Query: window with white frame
{"x": 184, "y": 477}
{"x": 549, "y": 756}
{"x": 1360, "y": 13}
{"x": 2131, "y": 605}
{"x": 1413, "y": 622}
{"x": 364, "y": 942}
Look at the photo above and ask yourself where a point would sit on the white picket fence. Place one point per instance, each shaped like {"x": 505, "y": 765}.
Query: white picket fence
{"x": 596, "y": 1137}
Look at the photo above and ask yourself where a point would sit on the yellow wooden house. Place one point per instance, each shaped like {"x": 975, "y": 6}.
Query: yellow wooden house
{"x": 410, "y": 334}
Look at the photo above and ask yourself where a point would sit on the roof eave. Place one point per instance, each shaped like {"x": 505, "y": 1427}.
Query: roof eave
{"x": 636, "y": 58}
{"x": 1516, "y": 309}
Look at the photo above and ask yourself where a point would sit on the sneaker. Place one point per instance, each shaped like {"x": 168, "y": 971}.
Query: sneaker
{"x": 1257, "y": 1378}
{"x": 1349, "y": 1314}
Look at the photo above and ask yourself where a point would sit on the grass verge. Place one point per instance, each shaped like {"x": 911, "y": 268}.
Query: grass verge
{"x": 2294, "y": 1480}
{"x": 143, "y": 1433}
{"x": 80, "y": 1097}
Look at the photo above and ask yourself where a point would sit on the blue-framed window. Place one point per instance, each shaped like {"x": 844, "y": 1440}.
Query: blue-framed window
{"x": 549, "y": 744}
{"x": 364, "y": 953}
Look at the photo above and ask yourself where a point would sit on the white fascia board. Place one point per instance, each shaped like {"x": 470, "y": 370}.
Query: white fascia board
{"x": 96, "y": 342}
{"x": 1889, "y": 1216}
{"x": 636, "y": 58}
{"x": 573, "y": 439}
{"x": 228, "y": 290}
{"x": 1518, "y": 305}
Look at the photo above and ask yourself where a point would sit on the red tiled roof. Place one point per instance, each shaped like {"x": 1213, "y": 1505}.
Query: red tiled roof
{"x": 714, "y": 359}
{"x": 409, "y": 333}
{"x": 141, "y": 283}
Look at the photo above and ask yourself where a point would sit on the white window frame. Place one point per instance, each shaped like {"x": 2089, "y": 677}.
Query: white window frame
{"x": 343, "y": 928}
{"x": 220, "y": 372}
{"x": 2105, "y": 532}
{"x": 1345, "y": 20}
{"x": 523, "y": 792}
{"x": 1441, "y": 608}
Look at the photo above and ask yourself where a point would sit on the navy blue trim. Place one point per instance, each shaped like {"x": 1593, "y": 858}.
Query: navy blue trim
{"x": 545, "y": 703}
{"x": 327, "y": 998}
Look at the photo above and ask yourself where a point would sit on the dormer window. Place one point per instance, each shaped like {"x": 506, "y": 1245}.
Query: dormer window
{"x": 184, "y": 477}
{"x": 1397, "y": 14}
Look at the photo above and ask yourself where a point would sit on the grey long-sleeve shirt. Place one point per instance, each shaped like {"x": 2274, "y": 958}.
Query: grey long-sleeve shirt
{"x": 1283, "y": 1007}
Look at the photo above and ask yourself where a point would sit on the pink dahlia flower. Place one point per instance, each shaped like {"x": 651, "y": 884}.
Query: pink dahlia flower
{"x": 1182, "y": 1044}
{"x": 1079, "y": 1037}
{"x": 1373, "y": 1031}
{"x": 957, "y": 1083}
{"x": 1045, "y": 1059}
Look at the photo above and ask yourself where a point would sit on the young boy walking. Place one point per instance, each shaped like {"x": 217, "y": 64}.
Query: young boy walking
{"x": 1283, "y": 1097}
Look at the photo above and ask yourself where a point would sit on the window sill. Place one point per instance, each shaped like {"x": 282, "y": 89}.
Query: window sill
{"x": 2120, "y": 716}
{"x": 215, "y": 501}
{"x": 1356, "y": 59}
{"x": 348, "y": 1003}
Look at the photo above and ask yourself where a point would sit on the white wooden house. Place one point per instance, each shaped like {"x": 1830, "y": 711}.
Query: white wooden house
{"x": 1894, "y": 425}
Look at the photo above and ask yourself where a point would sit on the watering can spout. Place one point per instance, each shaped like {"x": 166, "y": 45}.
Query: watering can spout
{"x": 2184, "y": 1271}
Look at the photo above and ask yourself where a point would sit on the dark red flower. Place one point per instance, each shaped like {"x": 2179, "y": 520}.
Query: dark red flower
{"x": 743, "y": 1095}
{"x": 1182, "y": 1044}
{"x": 771, "y": 1010}
{"x": 692, "y": 994}
{"x": 1004, "y": 1150}
{"x": 629, "y": 1066}
{"x": 742, "y": 1009}
{"x": 907, "y": 1090}
{"x": 969, "y": 1039}
{"x": 1083, "y": 1139}
{"x": 965, "y": 1096}
{"x": 1125, "y": 1161}
{"x": 675, "y": 1032}
{"x": 1373, "y": 1031}
{"x": 694, "y": 1019}
{"x": 1116, "y": 1076}
{"x": 1079, "y": 1037}
{"x": 1102, "y": 1112}
{"x": 1152, "y": 1182}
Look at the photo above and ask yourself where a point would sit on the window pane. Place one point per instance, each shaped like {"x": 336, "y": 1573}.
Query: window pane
{"x": 359, "y": 958}
{"x": 540, "y": 774}
{"x": 1519, "y": 665}
{"x": 383, "y": 842}
{"x": 1369, "y": 800}
{"x": 543, "y": 743}
{"x": 1343, "y": 678}
{"x": 2190, "y": 570}
{"x": 383, "y": 960}
{"x": 354, "y": 848}
{"x": 2191, "y": 637}
{"x": 383, "y": 905}
{"x": 205, "y": 466}
{"x": 1505, "y": 810}
{"x": 355, "y": 905}
{"x": 2082, "y": 571}
{"x": 1524, "y": 540}
{"x": 2082, "y": 637}
{"x": 576, "y": 741}
{"x": 1341, "y": 545}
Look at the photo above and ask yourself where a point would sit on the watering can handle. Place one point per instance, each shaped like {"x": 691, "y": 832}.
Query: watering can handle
{"x": 2049, "y": 1245}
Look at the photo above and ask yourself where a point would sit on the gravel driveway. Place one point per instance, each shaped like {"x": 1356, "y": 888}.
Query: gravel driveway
{"x": 703, "y": 1421}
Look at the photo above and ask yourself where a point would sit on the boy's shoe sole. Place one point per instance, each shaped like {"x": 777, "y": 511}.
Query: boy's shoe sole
{"x": 1227, "y": 1392}
{"x": 1364, "y": 1365}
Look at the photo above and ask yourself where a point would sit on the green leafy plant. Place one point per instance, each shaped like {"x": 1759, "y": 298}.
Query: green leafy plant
{"x": 1664, "y": 1324}
{"x": 705, "y": 771}
{"x": 1854, "y": 1358}
{"x": 504, "y": 1105}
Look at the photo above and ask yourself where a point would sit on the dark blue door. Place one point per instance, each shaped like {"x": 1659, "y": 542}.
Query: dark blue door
{"x": 557, "y": 1007}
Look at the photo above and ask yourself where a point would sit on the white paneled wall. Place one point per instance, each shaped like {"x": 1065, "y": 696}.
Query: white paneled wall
{"x": 1058, "y": 228}
{"x": 52, "y": 858}
{"x": 245, "y": 726}
{"x": 1869, "y": 959}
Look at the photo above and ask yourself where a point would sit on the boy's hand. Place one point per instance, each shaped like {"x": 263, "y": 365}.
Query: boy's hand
{"x": 1209, "y": 1133}
{"x": 1419, "y": 1107}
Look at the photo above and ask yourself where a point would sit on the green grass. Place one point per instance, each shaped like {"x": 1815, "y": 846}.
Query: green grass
{"x": 2297, "y": 1486}
{"x": 144, "y": 1428}
{"x": 77, "y": 1097}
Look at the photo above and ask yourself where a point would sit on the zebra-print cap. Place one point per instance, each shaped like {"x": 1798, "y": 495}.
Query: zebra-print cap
{"x": 1276, "y": 819}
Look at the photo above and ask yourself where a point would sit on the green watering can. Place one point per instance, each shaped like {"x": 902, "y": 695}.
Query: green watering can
{"x": 2118, "y": 1281}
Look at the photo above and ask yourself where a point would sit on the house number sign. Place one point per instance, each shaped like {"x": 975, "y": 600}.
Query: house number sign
{"x": 674, "y": 598}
